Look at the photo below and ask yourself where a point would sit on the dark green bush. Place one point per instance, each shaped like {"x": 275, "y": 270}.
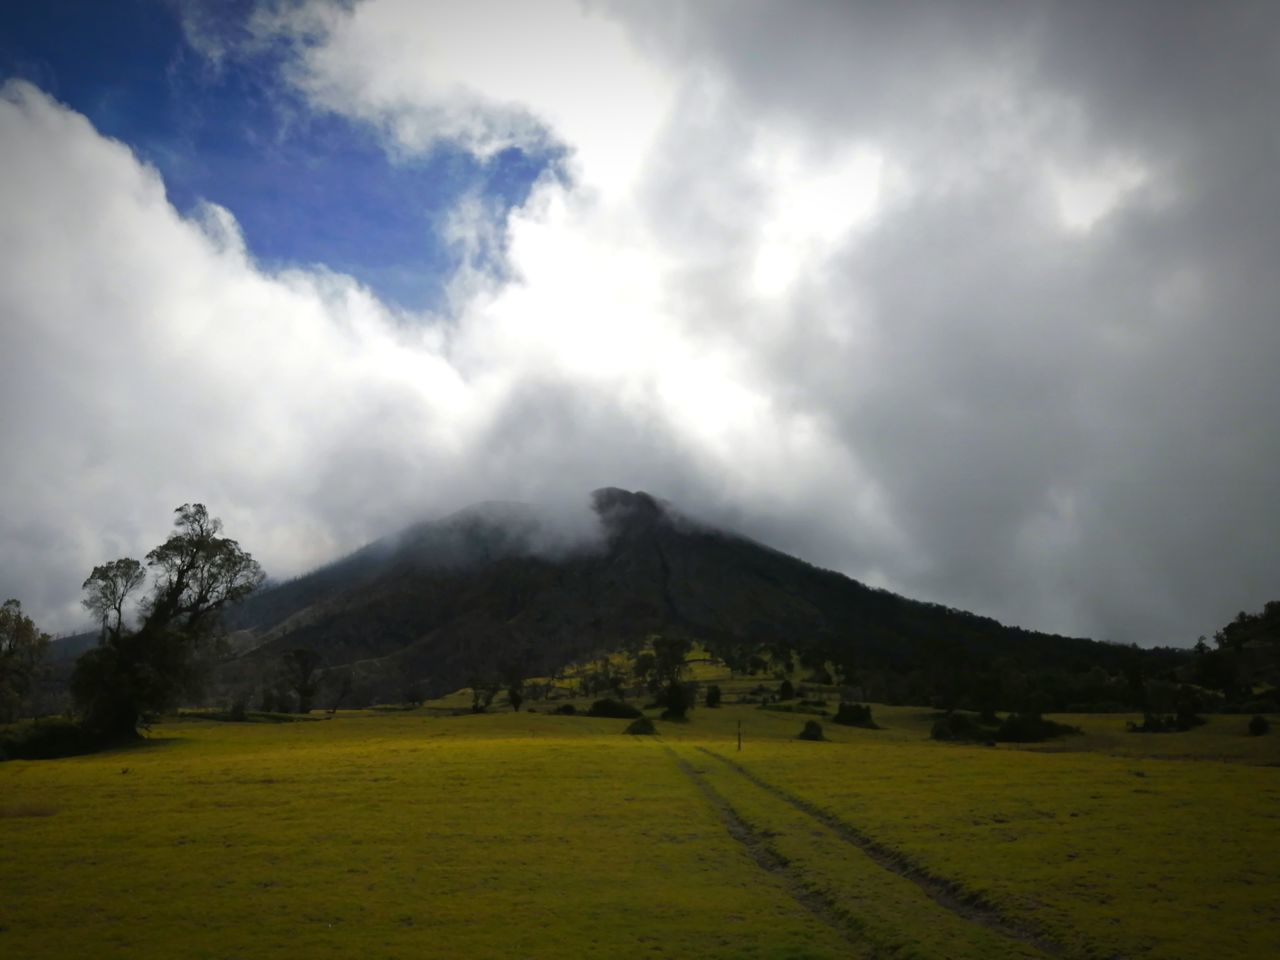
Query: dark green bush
{"x": 786, "y": 691}
{"x": 642, "y": 726}
{"x": 677, "y": 699}
{"x": 1166, "y": 723}
{"x": 1030, "y": 728}
{"x": 1259, "y": 726}
{"x": 713, "y": 696}
{"x": 855, "y": 715}
{"x": 614, "y": 709}
{"x": 958, "y": 726}
{"x": 794, "y": 708}
{"x": 46, "y": 740}
{"x": 565, "y": 710}
{"x": 812, "y": 731}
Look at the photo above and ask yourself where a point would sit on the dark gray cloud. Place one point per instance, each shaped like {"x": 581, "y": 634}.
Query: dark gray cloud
{"x": 1071, "y": 427}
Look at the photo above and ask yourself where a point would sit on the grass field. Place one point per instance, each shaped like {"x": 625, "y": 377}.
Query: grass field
{"x": 415, "y": 834}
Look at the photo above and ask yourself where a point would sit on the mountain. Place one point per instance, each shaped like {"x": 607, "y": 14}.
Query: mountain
{"x": 447, "y": 601}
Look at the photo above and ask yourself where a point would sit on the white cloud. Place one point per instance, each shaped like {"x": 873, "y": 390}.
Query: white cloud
{"x": 833, "y": 273}
{"x": 154, "y": 362}
{"x": 488, "y": 75}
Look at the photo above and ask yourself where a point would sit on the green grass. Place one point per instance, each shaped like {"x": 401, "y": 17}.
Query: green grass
{"x": 418, "y": 834}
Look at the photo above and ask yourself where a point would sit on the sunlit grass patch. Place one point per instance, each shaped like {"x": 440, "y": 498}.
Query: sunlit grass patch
{"x": 424, "y": 834}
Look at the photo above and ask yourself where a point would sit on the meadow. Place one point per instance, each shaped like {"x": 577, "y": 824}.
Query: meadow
{"x": 517, "y": 835}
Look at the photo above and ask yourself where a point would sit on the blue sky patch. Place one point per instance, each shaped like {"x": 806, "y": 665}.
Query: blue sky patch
{"x": 306, "y": 187}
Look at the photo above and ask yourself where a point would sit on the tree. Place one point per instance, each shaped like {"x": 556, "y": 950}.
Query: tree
{"x": 198, "y": 572}
{"x": 713, "y": 695}
{"x": 677, "y": 699}
{"x": 515, "y": 687}
{"x": 301, "y": 672}
{"x": 413, "y": 693}
{"x": 483, "y": 690}
{"x": 136, "y": 673}
{"x": 22, "y": 650}
{"x": 108, "y": 587}
{"x": 670, "y": 654}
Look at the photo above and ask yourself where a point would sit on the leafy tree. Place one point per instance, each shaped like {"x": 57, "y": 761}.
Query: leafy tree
{"x": 515, "y": 694}
{"x": 107, "y": 589}
{"x": 135, "y": 673}
{"x": 22, "y": 650}
{"x": 677, "y": 699}
{"x": 302, "y": 674}
{"x": 483, "y": 690}
{"x": 713, "y": 695}
{"x": 644, "y": 669}
{"x": 670, "y": 654}
{"x": 413, "y": 693}
{"x": 1247, "y": 627}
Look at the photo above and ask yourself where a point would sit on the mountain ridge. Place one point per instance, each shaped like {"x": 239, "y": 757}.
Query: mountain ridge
{"x": 486, "y": 587}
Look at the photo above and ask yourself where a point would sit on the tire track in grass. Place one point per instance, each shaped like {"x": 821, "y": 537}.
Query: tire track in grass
{"x": 947, "y": 894}
{"x": 824, "y": 908}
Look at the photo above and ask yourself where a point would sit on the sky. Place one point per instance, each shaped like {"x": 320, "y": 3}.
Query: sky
{"x": 977, "y": 301}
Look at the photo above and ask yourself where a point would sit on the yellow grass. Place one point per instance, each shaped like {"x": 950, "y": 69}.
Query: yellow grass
{"x": 527, "y": 835}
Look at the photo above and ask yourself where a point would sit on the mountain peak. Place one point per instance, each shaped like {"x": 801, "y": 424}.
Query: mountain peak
{"x": 620, "y": 509}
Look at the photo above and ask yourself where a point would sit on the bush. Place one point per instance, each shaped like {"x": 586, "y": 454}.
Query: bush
{"x": 677, "y": 699}
{"x": 1166, "y": 723}
{"x": 1252, "y": 706}
{"x": 238, "y": 708}
{"x": 565, "y": 710}
{"x": 642, "y": 726}
{"x": 786, "y": 691}
{"x": 812, "y": 731}
{"x": 1259, "y": 726}
{"x": 713, "y": 696}
{"x": 1030, "y": 728}
{"x": 46, "y": 740}
{"x": 855, "y": 715}
{"x": 958, "y": 726}
{"x": 614, "y": 709}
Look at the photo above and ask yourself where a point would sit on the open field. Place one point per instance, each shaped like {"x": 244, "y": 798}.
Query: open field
{"x": 527, "y": 835}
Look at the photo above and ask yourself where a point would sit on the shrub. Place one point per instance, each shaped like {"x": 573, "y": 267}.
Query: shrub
{"x": 1166, "y": 723}
{"x": 1259, "y": 726}
{"x": 46, "y": 740}
{"x": 957, "y": 726}
{"x": 642, "y": 726}
{"x": 614, "y": 709}
{"x": 812, "y": 731}
{"x": 238, "y": 708}
{"x": 786, "y": 691}
{"x": 676, "y": 700}
{"x": 565, "y": 710}
{"x": 1030, "y": 728}
{"x": 713, "y": 696}
{"x": 855, "y": 715}
{"x": 1255, "y": 706}
{"x": 793, "y": 708}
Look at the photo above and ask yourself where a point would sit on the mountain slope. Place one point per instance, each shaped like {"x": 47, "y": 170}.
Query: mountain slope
{"x": 446, "y": 601}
